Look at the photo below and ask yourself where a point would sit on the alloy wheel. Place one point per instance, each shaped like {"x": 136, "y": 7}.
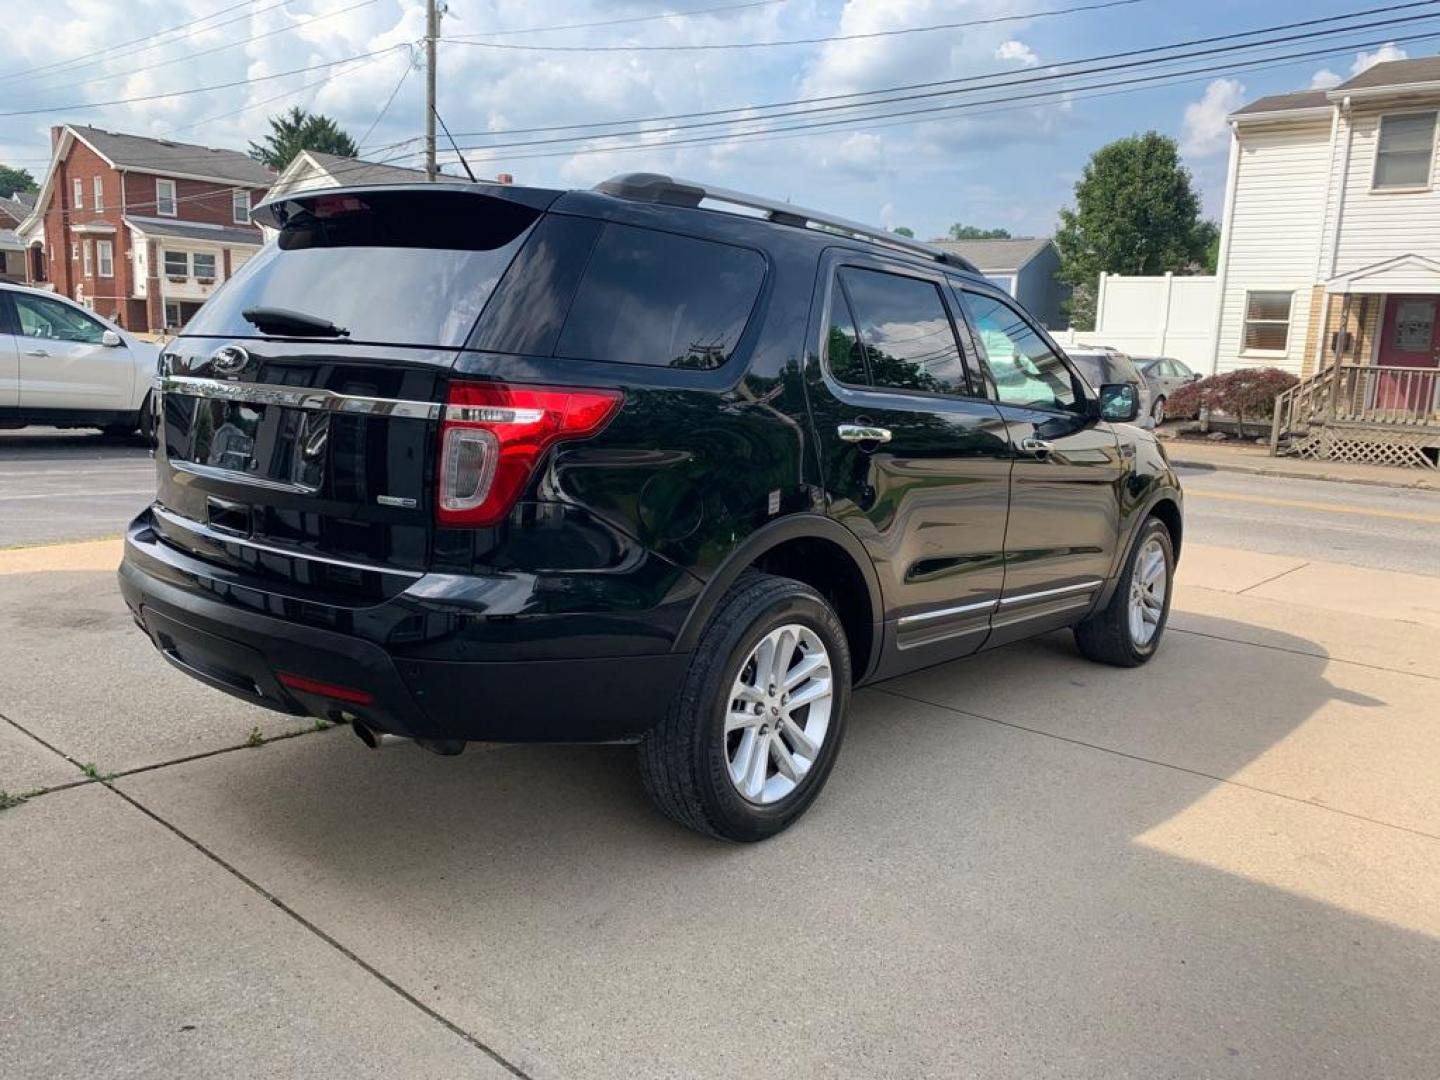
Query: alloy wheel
{"x": 1148, "y": 584}
{"x": 778, "y": 714}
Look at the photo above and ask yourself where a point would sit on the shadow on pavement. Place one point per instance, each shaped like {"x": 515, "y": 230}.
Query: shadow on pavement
{"x": 967, "y": 898}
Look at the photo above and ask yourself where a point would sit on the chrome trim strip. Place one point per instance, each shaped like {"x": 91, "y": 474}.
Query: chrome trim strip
{"x": 940, "y": 613}
{"x": 218, "y": 537}
{"x": 234, "y": 476}
{"x": 298, "y": 397}
{"x": 1023, "y": 597}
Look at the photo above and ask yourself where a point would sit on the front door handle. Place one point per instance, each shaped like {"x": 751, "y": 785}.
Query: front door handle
{"x": 1039, "y": 447}
{"x": 37, "y": 352}
{"x": 861, "y": 433}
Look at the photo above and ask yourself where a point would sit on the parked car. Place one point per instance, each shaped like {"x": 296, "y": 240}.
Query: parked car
{"x": 1164, "y": 375}
{"x": 1101, "y": 366}
{"x": 472, "y": 462}
{"x": 64, "y": 366}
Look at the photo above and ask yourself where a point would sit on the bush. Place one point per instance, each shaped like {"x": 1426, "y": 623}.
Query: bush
{"x": 1246, "y": 394}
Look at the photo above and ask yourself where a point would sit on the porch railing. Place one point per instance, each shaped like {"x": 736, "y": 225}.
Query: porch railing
{"x": 1401, "y": 397}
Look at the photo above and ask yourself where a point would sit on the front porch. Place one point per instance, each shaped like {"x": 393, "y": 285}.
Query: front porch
{"x": 1373, "y": 395}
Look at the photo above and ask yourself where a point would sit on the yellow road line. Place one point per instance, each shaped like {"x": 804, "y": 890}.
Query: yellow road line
{"x": 1324, "y": 508}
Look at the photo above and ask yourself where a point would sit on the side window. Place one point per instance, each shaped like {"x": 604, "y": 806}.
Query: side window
{"x": 41, "y": 317}
{"x": 1025, "y": 370}
{"x": 842, "y": 344}
{"x": 655, "y": 298}
{"x": 905, "y": 332}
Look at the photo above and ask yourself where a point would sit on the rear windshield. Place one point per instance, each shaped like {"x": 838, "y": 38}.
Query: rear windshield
{"x": 399, "y": 268}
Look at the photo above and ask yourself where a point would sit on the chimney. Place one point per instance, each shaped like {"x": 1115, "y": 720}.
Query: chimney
{"x": 55, "y": 131}
{"x": 505, "y": 178}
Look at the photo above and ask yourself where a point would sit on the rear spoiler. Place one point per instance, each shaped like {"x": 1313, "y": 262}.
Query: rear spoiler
{"x": 275, "y": 212}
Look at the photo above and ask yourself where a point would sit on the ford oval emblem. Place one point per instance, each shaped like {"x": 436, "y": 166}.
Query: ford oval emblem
{"x": 229, "y": 360}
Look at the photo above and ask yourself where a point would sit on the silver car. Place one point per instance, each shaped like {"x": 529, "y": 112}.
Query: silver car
{"x": 1164, "y": 375}
{"x": 63, "y": 365}
{"x": 1101, "y": 365}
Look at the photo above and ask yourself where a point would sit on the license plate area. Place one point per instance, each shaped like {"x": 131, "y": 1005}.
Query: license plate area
{"x": 260, "y": 442}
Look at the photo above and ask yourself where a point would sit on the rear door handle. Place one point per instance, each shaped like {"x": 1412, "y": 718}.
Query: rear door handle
{"x": 37, "y": 352}
{"x": 1038, "y": 447}
{"x": 860, "y": 433}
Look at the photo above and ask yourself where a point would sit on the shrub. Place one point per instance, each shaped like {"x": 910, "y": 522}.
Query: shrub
{"x": 1246, "y": 394}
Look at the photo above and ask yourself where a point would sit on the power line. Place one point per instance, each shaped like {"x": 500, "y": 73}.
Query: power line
{"x": 405, "y": 74}
{"x": 1097, "y": 6}
{"x": 1008, "y": 82}
{"x": 619, "y": 22}
{"x": 188, "y": 57}
{"x": 969, "y": 78}
{"x": 198, "y": 89}
{"x": 855, "y": 122}
{"x": 101, "y": 55}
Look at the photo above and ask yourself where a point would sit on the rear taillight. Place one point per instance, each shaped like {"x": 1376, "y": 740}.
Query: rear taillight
{"x": 493, "y": 435}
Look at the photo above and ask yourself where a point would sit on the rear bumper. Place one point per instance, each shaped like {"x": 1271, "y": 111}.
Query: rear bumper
{"x": 246, "y": 652}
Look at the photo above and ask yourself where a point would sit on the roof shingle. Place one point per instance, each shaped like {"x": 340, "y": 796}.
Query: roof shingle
{"x": 995, "y": 255}
{"x": 165, "y": 156}
{"x": 1304, "y": 99}
{"x": 1422, "y": 69}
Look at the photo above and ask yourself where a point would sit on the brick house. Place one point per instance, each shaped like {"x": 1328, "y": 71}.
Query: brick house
{"x": 142, "y": 230}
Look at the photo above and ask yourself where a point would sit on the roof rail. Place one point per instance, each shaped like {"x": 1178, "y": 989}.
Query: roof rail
{"x": 658, "y": 188}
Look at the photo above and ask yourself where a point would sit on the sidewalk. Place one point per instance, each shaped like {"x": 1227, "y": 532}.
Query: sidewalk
{"x": 1249, "y": 458}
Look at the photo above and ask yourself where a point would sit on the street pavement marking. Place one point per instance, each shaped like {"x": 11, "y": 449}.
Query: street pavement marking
{"x": 1325, "y": 508}
{"x": 76, "y": 494}
{"x": 84, "y": 555}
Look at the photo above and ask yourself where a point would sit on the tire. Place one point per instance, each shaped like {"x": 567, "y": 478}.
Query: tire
{"x": 688, "y": 760}
{"x": 1109, "y": 636}
{"x": 1157, "y": 411}
{"x": 147, "y": 420}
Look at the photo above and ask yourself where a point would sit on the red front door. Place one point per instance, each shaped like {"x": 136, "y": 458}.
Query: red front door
{"x": 1408, "y": 339}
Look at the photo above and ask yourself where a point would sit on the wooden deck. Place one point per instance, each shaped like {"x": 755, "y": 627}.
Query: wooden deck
{"x": 1362, "y": 413}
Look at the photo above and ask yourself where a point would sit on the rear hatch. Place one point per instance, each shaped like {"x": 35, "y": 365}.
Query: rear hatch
{"x": 301, "y": 406}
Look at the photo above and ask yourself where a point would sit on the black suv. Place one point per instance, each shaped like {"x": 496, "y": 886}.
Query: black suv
{"x": 474, "y": 462}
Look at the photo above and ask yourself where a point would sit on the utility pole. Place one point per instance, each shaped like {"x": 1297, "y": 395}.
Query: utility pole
{"x": 432, "y": 31}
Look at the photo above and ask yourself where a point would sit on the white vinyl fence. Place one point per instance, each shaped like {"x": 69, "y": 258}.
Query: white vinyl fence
{"x": 1154, "y": 316}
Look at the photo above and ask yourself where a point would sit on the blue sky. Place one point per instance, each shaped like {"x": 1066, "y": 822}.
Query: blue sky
{"x": 1012, "y": 166}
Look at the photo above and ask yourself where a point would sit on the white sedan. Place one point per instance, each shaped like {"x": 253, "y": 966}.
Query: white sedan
{"x": 63, "y": 365}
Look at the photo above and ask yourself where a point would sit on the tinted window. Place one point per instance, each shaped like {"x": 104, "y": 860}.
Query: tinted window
{"x": 1092, "y": 367}
{"x": 905, "y": 331}
{"x": 528, "y": 309}
{"x": 842, "y": 347}
{"x": 1026, "y": 371}
{"x": 41, "y": 317}
{"x": 656, "y": 298}
{"x": 1122, "y": 369}
{"x": 395, "y": 267}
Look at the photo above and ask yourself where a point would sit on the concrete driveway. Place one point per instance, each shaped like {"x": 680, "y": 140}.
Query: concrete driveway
{"x": 1226, "y": 863}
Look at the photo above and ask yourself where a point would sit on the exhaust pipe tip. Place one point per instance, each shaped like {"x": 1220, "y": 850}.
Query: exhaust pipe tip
{"x": 375, "y": 740}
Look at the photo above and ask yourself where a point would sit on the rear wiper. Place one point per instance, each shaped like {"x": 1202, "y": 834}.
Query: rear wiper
{"x": 271, "y": 320}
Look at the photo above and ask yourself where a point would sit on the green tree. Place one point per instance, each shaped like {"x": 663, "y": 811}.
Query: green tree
{"x": 1136, "y": 212}
{"x": 974, "y": 232}
{"x": 904, "y": 230}
{"x": 13, "y": 180}
{"x": 297, "y": 130}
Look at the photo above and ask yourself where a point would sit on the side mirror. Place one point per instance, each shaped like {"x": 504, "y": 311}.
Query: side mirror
{"x": 1119, "y": 402}
{"x": 1195, "y": 376}
{"x": 111, "y": 340}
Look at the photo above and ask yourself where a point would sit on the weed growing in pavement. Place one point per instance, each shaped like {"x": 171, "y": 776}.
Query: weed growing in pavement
{"x": 321, "y": 724}
{"x": 256, "y": 737}
{"x": 90, "y": 770}
{"x": 7, "y": 800}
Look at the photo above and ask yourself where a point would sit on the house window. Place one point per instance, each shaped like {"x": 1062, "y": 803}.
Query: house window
{"x": 165, "y": 198}
{"x": 88, "y": 247}
{"x": 1267, "y": 321}
{"x": 204, "y": 266}
{"x": 79, "y": 191}
{"x": 105, "y": 257}
{"x": 1404, "y": 150}
{"x": 75, "y": 251}
{"x": 172, "y": 315}
{"x": 240, "y": 206}
{"x": 99, "y": 190}
{"x": 177, "y": 264}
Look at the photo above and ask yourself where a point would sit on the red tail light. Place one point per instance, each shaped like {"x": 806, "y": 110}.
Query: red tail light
{"x": 493, "y": 435}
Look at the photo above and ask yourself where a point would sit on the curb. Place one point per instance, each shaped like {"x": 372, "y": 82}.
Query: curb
{"x": 1293, "y": 474}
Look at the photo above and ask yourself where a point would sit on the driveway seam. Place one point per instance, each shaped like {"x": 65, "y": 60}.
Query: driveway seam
{"x": 1162, "y": 764}
{"x": 364, "y": 965}
{"x": 1326, "y": 657}
{"x": 1268, "y": 580}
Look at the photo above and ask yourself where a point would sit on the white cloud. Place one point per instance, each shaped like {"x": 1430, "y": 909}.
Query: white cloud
{"x": 1207, "y": 127}
{"x": 1018, "y": 52}
{"x": 1325, "y": 79}
{"x": 1388, "y": 51}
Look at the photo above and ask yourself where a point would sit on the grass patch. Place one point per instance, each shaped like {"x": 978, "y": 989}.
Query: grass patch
{"x": 256, "y": 737}
{"x": 321, "y": 724}
{"x": 7, "y": 800}
{"x": 90, "y": 770}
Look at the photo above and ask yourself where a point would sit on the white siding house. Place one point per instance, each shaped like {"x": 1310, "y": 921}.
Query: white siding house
{"x": 1330, "y": 261}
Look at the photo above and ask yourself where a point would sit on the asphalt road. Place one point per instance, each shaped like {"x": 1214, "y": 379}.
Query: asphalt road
{"x": 70, "y": 485}
{"x": 58, "y": 486}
